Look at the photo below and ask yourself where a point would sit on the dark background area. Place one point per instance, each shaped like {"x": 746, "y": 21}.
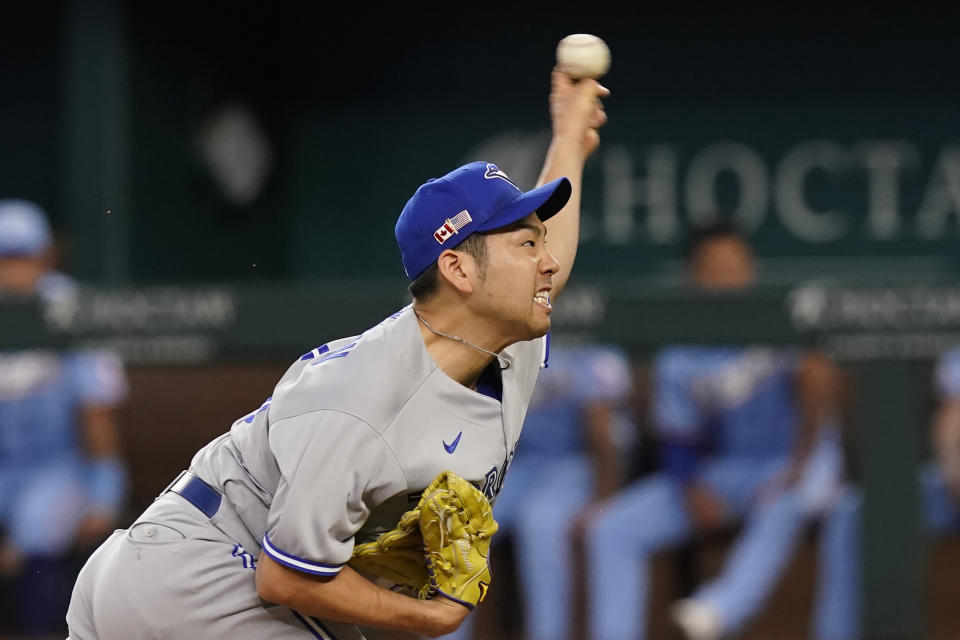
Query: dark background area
{"x": 360, "y": 104}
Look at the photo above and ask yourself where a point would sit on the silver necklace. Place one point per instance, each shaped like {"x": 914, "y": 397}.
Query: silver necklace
{"x": 503, "y": 364}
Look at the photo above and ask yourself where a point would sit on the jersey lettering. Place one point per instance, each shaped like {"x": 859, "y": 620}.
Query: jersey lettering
{"x": 315, "y": 353}
{"x": 342, "y": 352}
{"x": 248, "y": 419}
{"x": 493, "y": 480}
{"x": 489, "y": 482}
{"x": 247, "y": 559}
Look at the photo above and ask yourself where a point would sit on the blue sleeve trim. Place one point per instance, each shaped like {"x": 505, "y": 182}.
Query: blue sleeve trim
{"x": 300, "y": 564}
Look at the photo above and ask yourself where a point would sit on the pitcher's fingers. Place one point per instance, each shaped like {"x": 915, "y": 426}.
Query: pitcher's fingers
{"x": 593, "y": 88}
{"x": 598, "y": 119}
{"x": 559, "y": 79}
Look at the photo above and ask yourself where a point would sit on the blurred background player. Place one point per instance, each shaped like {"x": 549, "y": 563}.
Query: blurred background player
{"x": 940, "y": 501}
{"x": 571, "y": 456}
{"x": 736, "y": 427}
{"x": 940, "y": 477}
{"x": 62, "y": 480}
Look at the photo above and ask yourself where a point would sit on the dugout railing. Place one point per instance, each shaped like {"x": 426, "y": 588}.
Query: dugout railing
{"x": 886, "y": 337}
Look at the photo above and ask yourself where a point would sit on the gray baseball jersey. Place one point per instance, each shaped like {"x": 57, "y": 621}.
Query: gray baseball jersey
{"x": 353, "y": 433}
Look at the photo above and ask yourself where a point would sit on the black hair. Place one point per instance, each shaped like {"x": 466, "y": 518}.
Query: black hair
{"x": 425, "y": 284}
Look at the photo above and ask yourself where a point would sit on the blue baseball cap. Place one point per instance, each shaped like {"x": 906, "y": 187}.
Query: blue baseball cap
{"x": 475, "y": 197}
{"x": 24, "y": 230}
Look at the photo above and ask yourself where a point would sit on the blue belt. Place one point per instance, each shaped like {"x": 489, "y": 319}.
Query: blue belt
{"x": 196, "y": 492}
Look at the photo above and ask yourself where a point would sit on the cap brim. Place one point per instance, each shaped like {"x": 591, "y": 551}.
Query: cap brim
{"x": 546, "y": 200}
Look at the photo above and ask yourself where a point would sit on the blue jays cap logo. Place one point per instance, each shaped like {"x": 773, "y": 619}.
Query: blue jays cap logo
{"x": 493, "y": 171}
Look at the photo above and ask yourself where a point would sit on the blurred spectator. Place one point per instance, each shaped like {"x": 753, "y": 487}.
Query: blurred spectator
{"x": 62, "y": 481}
{"x": 571, "y": 456}
{"x": 746, "y": 436}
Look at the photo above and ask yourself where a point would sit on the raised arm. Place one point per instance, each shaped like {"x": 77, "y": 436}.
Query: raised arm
{"x": 576, "y": 113}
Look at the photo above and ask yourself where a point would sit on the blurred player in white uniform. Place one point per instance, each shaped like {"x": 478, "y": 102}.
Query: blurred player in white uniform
{"x": 253, "y": 541}
{"x": 62, "y": 480}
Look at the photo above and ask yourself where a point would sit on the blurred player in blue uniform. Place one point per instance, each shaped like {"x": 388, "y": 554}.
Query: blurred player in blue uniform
{"x": 743, "y": 439}
{"x": 940, "y": 478}
{"x": 939, "y": 482}
{"x": 571, "y": 456}
{"x": 62, "y": 481}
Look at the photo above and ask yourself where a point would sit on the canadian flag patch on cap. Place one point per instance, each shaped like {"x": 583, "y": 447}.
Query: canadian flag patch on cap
{"x": 452, "y": 226}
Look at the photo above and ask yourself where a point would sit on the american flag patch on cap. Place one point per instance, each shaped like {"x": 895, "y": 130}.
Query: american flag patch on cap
{"x": 452, "y": 226}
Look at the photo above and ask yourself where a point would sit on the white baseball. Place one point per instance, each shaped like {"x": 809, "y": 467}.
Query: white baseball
{"x": 583, "y": 55}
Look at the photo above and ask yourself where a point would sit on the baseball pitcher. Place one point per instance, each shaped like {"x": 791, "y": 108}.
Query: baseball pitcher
{"x": 255, "y": 539}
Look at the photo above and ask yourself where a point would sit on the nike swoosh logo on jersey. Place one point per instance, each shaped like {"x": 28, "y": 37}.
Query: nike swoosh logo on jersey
{"x": 453, "y": 445}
